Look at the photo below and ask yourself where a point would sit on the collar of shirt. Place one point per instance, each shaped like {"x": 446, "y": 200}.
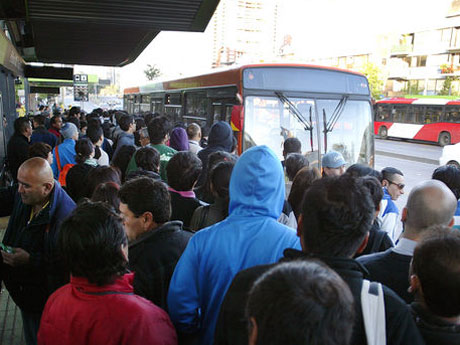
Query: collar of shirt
{"x": 185, "y": 194}
{"x": 405, "y": 247}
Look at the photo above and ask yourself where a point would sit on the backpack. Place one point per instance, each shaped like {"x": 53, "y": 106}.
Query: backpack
{"x": 373, "y": 308}
{"x": 63, "y": 174}
{"x": 62, "y": 170}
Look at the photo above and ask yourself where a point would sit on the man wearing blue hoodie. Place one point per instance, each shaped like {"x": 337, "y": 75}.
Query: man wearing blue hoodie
{"x": 249, "y": 236}
{"x": 220, "y": 139}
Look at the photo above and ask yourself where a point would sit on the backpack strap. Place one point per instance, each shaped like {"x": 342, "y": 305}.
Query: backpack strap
{"x": 373, "y": 309}
{"x": 58, "y": 161}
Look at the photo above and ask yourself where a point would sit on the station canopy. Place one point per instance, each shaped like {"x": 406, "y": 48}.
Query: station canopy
{"x": 97, "y": 32}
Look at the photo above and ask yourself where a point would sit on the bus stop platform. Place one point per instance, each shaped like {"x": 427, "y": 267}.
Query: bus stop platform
{"x": 10, "y": 316}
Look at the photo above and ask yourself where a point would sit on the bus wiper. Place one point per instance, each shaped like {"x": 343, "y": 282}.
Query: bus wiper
{"x": 329, "y": 125}
{"x": 294, "y": 111}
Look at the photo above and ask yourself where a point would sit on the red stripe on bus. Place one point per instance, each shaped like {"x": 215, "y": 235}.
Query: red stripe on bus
{"x": 397, "y": 101}
{"x": 379, "y": 124}
{"x": 430, "y": 132}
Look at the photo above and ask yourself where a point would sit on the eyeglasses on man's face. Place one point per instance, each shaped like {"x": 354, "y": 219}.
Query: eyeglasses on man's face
{"x": 399, "y": 185}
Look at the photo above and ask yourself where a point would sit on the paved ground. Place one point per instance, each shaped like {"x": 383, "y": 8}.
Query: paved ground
{"x": 10, "y": 316}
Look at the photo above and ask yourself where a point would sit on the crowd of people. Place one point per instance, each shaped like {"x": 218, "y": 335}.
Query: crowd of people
{"x": 131, "y": 230}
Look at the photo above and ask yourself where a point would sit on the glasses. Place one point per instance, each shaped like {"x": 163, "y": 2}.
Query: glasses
{"x": 399, "y": 185}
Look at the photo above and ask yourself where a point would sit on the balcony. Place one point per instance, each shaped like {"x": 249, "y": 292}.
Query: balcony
{"x": 455, "y": 48}
{"x": 401, "y": 50}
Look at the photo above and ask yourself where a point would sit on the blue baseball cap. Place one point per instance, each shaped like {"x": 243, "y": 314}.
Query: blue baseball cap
{"x": 333, "y": 159}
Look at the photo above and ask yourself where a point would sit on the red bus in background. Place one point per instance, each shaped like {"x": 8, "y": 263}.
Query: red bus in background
{"x": 325, "y": 108}
{"x": 425, "y": 119}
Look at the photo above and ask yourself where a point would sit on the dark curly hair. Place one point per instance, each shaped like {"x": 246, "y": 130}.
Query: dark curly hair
{"x": 90, "y": 242}
{"x": 144, "y": 194}
{"x": 158, "y": 127}
{"x": 337, "y": 214}
{"x": 450, "y": 175}
{"x": 148, "y": 158}
{"x": 183, "y": 170}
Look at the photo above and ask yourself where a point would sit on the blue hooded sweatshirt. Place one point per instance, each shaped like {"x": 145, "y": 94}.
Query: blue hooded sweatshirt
{"x": 249, "y": 236}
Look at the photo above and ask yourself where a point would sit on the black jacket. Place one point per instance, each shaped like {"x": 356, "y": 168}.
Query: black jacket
{"x": 232, "y": 326}
{"x": 434, "y": 330}
{"x": 17, "y": 153}
{"x": 220, "y": 139}
{"x": 183, "y": 208}
{"x": 31, "y": 284}
{"x": 153, "y": 258}
{"x": 390, "y": 269}
{"x": 76, "y": 184}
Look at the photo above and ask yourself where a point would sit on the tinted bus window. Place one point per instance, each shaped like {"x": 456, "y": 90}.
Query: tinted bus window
{"x": 452, "y": 114}
{"x": 196, "y": 103}
{"x": 433, "y": 114}
{"x": 402, "y": 114}
{"x": 418, "y": 112}
{"x": 301, "y": 79}
{"x": 383, "y": 112}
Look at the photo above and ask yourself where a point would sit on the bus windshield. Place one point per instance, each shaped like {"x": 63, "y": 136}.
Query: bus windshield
{"x": 269, "y": 120}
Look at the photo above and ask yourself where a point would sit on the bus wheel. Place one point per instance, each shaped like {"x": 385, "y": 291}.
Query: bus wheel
{"x": 454, "y": 163}
{"x": 444, "y": 139}
{"x": 383, "y": 132}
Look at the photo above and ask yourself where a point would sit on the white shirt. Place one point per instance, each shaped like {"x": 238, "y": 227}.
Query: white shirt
{"x": 405, "y": 247}
{"x": 103, "y": 159}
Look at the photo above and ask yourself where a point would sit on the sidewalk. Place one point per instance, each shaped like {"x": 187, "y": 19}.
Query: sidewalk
{"x": 10, "y": 317}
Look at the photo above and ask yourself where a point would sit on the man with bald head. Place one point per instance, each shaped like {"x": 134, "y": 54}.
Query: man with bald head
{"x": 429, "y": 203}
{"x": 30, "y": 270}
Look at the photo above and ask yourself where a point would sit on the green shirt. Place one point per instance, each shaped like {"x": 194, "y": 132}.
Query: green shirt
{"x": 166, "y": 153}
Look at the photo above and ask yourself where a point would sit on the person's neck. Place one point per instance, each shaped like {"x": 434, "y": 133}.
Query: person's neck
{"x": 38, "y": 207}
{"x": 142, "y": 233}
{"x": 453, "y": 320}
{"x": 409, "y": 234}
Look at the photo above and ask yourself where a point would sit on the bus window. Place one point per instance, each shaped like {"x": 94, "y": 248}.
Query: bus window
{"x": 383, "y": 112}
{"x": 452, "y": 114}
{"x": 196, "y": 103}
{"x": 267, "y": 121}
{"x": 145, "y": 103}
{"x": 173, "y": 113}
{"x": 401, "y": 114}
{"x": 417, "y": 111}
{"x": 350, "y": 133}
{"x": 433, "y": 114}
{"x": 157, "y": 104}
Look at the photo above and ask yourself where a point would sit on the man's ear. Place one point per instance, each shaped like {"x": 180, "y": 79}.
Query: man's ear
{"x": 148, "y": 220}
{"x": 384, "y": 183}
{"x": 404, "y": 214}
{"x": 300, "y": 231}
{"x": 48, "y": 187}
{"x": 414, "y": 284}
{"x": 363, "y": 244}
{"x": 253, "y": 332}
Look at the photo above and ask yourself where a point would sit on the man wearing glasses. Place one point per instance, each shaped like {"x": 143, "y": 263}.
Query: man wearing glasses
{"x": 393, "y": 188}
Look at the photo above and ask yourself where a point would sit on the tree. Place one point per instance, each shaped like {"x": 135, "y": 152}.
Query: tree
{"x": 152, "y": 72}
{"x": 374, "y": 76}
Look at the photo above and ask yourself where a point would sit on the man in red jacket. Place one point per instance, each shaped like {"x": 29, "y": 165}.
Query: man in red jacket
{"x": 99, "y": 306}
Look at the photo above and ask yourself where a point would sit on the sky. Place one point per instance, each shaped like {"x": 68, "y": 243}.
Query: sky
{"x": 318, "y": 28}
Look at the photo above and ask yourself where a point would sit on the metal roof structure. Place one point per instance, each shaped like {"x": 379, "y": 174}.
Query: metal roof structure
{"x": 97, "y": 32}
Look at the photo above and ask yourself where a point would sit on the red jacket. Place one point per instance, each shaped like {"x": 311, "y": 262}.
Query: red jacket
{"x": 86, "y": 314}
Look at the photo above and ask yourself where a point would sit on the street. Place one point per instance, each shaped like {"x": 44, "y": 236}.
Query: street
{"x": 416, "y": 161}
